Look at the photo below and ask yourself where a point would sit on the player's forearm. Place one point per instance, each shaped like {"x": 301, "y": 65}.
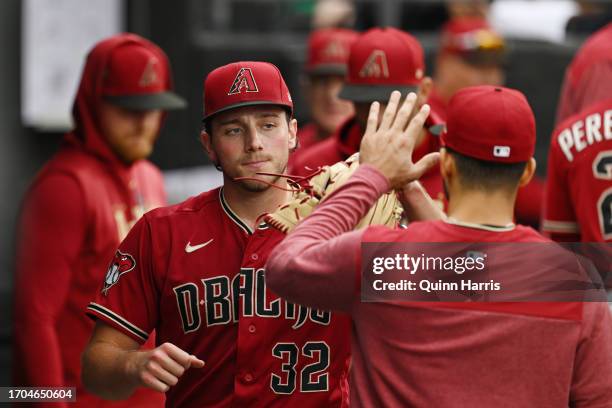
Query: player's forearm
{"x": 107, "y": 371}
{"x": 418, "y": 205}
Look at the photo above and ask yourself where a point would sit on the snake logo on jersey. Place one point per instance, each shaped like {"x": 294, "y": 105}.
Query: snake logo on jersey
{"x": 121, "y": 264}
{"x": 223, "y": 305}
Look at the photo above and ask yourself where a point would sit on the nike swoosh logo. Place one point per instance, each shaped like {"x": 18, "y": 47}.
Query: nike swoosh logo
{"x": 191, "y": 248}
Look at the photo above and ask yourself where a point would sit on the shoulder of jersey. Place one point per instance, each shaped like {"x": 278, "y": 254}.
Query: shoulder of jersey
{"x": 529, "y": 234}
{"x": 189, "y": 206}
{"x": 593, "y": 108}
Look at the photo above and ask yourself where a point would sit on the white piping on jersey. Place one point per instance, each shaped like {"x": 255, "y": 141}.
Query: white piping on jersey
{"x": 132, "y": 328}
{"x": 228, "y": 210}
{"x": 567, "y": 227}
{"x": 492, "y": 228}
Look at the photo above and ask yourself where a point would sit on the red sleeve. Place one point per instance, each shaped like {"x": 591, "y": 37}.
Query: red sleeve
{"x": 129, "y": 298}
{"x": 559, "y": 221}
{"x": 316, "y": 264}
{"x": 51, "y": 231}
{"x": 592, "y": 379}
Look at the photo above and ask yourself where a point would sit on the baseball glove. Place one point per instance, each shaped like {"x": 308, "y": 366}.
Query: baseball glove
{"x": 314, "y": 189}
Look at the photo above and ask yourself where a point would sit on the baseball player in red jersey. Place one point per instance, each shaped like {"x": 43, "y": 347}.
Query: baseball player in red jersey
{"x": 82, "y": 204}
{"x": 381, "y": 59}
{"x": 578, "y": 201}
{"x": 586, "y": 79}
{"x": 328, "y": 52}
{"x": 471, "y": 53}
{"x": 194, "y": 272}
{"x": 448, "y": 354}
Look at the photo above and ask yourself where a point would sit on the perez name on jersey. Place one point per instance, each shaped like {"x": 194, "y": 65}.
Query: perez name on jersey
{"x": 593, "y": 129}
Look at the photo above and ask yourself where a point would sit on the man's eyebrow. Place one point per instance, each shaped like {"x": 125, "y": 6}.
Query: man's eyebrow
{"x": 268, "y": 114}
{"x": 229, "y": 122}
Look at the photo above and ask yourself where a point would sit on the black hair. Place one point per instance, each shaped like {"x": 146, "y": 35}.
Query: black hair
{"x": 476, "y": 174}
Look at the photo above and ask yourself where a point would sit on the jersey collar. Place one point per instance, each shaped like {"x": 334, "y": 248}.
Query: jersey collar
{"x": 235, "y": 218}
{"x": 485, "y": 227}
{"x": 232, "y": 215}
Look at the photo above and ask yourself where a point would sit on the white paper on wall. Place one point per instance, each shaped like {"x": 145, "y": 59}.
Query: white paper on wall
{"x": 56, "y": 36}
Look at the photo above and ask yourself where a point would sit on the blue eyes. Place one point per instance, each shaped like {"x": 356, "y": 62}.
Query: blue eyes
{"x": 233, "y": 131}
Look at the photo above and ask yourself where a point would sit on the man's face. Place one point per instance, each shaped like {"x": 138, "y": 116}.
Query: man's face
{"x": 252, "y": 139}
{"x": 327, "y": 110}
{"x": 130, "y": 134}
{"x": 454, "y": 73}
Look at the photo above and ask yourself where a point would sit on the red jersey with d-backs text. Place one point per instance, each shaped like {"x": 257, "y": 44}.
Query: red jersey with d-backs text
{"x": 194, "y": 272}
{"x": 579, "y": 186}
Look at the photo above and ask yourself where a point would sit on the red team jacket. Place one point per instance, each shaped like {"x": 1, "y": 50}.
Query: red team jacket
{"x": 345, "y": 142}
{"x": 579, "y": 189}
{"x": 74, "y": 216}
{"x": 194, "y": 272}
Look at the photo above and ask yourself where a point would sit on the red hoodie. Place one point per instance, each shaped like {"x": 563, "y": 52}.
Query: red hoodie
{"x": 76, "y": 212}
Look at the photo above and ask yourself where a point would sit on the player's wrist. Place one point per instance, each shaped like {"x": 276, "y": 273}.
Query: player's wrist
{"x": 133, "y": 364}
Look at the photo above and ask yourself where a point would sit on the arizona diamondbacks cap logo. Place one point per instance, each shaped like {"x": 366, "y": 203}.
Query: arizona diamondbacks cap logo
{"x": 335, "y": 49}
{"x": 121, "y": 264}
{"x": 244, "y": 80}
{"x": 375, "y": 66}
{"x": 149, "y": 75}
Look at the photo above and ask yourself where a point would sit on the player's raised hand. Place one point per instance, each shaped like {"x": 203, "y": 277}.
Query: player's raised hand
{"x": 162, "y": 367}
{"x": 388, "y": 143}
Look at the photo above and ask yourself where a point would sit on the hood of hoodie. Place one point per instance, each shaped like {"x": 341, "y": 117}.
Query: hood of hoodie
{"x": 87, "y": 134}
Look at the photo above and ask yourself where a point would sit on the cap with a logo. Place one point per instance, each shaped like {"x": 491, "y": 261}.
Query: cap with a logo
{"x": 137, "y": 78}
{"x": 383, "y": 60}
{"x": 474, "y": 40}
{"x": 328, "y": 51}
{"x": 242, "y": 84}
{"x": 490, "y": 123}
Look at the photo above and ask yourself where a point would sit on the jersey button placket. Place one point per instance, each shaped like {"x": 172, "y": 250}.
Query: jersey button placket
{"x": 252, "y": 328}
{"x": 254, "y": 257}
{"x": 248, "y": 377}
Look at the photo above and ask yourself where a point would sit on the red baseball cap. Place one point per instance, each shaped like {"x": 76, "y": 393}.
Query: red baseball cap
{"x": 383, "y": 60}
{"x": 242, "y": 84}
{"x": 490, "y": 123}
{"x": 136, "y": 77}
{"x": 328, "y": 51}
{"x": 474, "y": 40}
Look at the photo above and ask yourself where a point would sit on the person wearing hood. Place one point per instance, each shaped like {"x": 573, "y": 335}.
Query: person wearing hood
{"x": 82, "y": 204}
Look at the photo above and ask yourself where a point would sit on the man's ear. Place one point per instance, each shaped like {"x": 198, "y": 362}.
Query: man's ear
{"x": 293, "y": 130}
{"x": 447, "y": 164}
{"x": 528, "y": 173}
{"x": 424, "y": 90}
{"x": 206, "y": 141}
